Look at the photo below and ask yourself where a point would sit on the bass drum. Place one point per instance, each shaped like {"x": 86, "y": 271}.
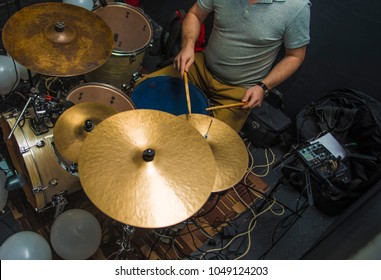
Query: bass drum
{"x": 34, "y": 159}
{"x": 132, "y": 35}
{"x": 102, "y": 93}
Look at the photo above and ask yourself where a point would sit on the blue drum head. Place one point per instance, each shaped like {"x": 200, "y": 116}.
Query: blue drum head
{"x": 167, "y": 94}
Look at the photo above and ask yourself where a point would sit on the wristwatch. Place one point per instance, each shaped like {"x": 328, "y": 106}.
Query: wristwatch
{"x": 264, "y": 87}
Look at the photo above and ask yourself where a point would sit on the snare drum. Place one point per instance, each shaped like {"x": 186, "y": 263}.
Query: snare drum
{"x": 102, "y": 93}
{"x": 33, "y": 157}
{"x": 167, "y": 94}
{"x": 132, "y": 35}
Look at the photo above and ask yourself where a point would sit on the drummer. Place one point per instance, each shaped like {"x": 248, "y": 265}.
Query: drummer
{"x": 237, "y": 65}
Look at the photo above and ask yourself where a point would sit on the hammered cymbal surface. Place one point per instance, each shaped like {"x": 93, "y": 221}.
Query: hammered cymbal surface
{"x": 69, "y": 131}
{"x": 58, "y": 39}
{"x": 162, "y": 192}
{"x": 228, "y": 148}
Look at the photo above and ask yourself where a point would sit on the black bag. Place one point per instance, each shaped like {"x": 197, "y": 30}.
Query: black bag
{"x": 170, "y": 40}
{"x": 354, "y": 118}
{"x": 266, "y": 126}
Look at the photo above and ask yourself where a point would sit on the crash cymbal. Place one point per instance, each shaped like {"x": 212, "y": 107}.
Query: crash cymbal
{"x": 146, "y": 168}
{"x": 58, "y": 39}
{"x": 74, "y": 124}
{"x": 228, "y": 148}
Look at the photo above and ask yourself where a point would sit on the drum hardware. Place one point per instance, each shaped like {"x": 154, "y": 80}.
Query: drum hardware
{"x": 71, "y": 167}
{"x": 160, "y": 170}
{"x": 125, "y": 241}
{"x": 59, "y": 201}
{"x": 228, "y": 148}
{"x": 34, "y": 93}
{"x": 39, "y": 144}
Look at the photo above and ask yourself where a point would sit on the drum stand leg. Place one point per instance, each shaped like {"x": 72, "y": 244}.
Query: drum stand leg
{"x": 59, "y": 201}
{"x": 125, "y": 241}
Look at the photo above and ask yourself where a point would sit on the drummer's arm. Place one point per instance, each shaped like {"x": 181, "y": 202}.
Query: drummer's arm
{"x": 190, "y": 33}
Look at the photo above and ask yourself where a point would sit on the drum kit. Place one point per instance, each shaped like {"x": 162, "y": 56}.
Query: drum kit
{"x": 143, "y": 166}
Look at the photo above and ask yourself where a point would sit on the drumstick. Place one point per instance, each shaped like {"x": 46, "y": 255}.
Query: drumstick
{"x": 187, "y": 92}
{"x": 226, "y": 106}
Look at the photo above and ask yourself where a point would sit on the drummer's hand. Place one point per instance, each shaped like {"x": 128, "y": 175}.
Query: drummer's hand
{"x": 184, "y": 60}
{"x": 254, "y": 97}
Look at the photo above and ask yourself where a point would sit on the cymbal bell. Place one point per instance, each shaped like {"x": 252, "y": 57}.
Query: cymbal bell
{"x": 146, "y": 168}
{"x": 58, "y": 39}
{"x": 75, "y": 123}
{"x": 228, "y": 148}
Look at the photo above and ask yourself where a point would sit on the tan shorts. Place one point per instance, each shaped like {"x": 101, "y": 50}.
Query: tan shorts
{"x": 216, "y": 92}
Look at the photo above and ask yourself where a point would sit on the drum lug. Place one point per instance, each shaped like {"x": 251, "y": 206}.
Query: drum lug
{"x": 39, "y": 189}
{"x": 132, "y": 57}
{"x": 39, "y": 144}
{"x": 24, "y": 150}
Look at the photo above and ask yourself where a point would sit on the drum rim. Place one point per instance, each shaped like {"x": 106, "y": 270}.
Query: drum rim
{"x": 114, "y": 88}
{"x": 191, "y": 85}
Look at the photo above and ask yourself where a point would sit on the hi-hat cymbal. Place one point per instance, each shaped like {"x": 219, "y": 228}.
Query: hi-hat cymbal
{"x": 228, "y": 148}
{"x": 73, "y": 126}
{"x": 58, "y": 39}
{"x": 146, "y": 168}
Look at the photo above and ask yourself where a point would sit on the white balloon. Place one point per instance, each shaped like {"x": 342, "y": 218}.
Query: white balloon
{"x": 8, "y": 77}
{"x": 87, "y": 4}
{"x": 75, "y": 235}
{"x": 22, "y": 71}
{"x": 25, "y": 245}
{"x": 3, "y": 191}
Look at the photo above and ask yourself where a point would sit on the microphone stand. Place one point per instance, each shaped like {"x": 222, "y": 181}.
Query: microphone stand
{"x": 34, "y": 91}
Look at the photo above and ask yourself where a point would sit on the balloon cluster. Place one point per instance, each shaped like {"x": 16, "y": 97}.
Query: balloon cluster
{"x": 75, "y": 235}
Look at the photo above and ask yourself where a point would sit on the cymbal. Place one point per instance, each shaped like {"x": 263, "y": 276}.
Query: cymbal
{"x": 228, "y": 148}
{"x": 146, "y": 168}
{"x": 57, "y": 39}
{"x": 75, "y": 123}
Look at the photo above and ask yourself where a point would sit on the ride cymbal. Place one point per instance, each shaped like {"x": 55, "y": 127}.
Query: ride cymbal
{"x": 57, "y": 39}
{"x": 228, "y": 149}
{"x": 146, "y": 168}
{"x": 75, "y": 123}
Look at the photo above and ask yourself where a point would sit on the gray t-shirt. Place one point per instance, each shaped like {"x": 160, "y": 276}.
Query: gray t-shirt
{"x": 246, "y": 39}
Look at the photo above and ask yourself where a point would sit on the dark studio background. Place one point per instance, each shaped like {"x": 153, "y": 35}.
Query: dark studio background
{"x": 344, "y": 53}
{"x": 344, "y": 49}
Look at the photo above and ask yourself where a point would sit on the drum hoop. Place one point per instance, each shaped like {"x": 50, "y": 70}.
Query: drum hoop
{"x": 170, "y": 77}
{"x": 62, "y": 162}
{"x": 104, "y": 85}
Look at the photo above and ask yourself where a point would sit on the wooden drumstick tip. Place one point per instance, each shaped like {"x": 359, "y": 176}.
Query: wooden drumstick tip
{"x": 239, "y": 104}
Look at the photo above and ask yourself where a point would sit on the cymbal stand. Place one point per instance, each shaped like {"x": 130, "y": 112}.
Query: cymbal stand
{"x": 125, "y": 241}
{"x": 34, "y": 93}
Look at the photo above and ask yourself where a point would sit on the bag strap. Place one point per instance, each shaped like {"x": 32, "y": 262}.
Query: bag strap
{"x": 172, "y": 29}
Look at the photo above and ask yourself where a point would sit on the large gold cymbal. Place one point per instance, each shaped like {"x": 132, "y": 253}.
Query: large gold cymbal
{"x": 73, "y": 126}
{"x": 146, "y": 168}
{"x": 228, "y": 148}
{"x": 58, "y": 39}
